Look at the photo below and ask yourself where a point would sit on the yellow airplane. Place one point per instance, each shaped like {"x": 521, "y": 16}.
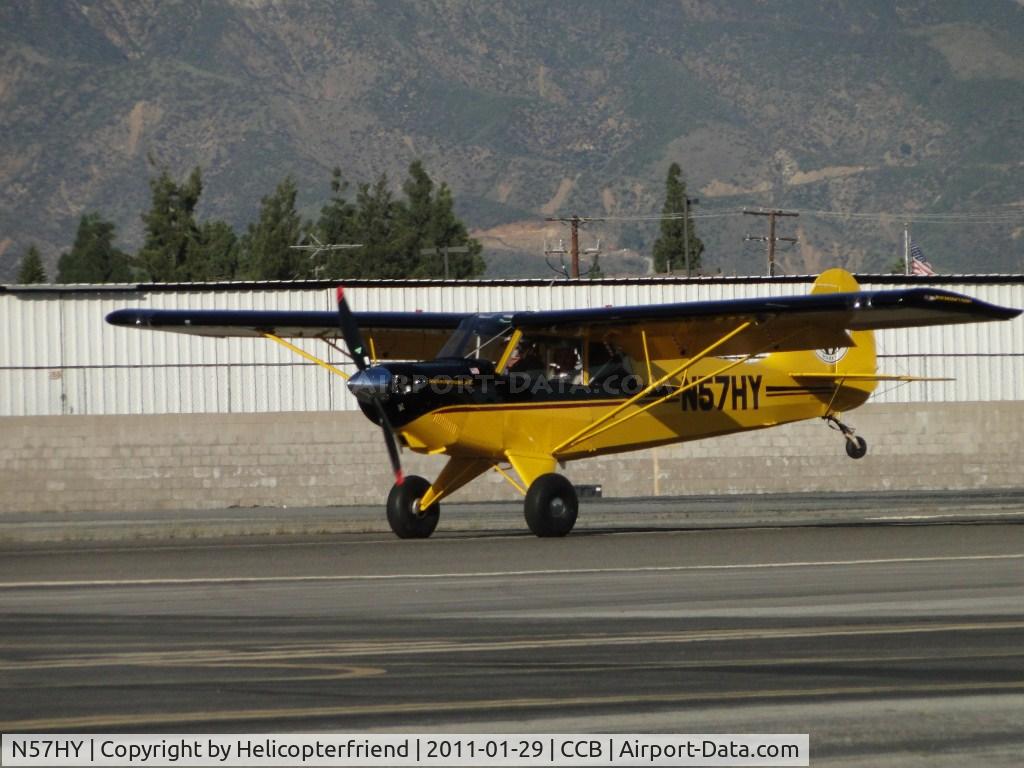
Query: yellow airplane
{"x": 524, "y": 392}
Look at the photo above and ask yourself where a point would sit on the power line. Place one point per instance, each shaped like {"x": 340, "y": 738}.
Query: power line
{"x": 960, "y": 217}
{"x": 672, "y": 216}
{"x": 988, "y": 216}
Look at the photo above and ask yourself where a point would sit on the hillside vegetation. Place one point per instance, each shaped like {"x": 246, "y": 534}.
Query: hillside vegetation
{"x": 529, "y": 109}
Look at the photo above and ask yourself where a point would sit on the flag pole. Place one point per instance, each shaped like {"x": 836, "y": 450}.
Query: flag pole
{"x": 906, "y": 247}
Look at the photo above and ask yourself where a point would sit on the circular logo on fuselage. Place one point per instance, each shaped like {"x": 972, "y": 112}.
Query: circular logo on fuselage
{"x": 831, "y": 355}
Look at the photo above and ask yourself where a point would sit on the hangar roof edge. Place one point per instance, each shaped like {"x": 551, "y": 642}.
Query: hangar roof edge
{"x": 278, "y": 285}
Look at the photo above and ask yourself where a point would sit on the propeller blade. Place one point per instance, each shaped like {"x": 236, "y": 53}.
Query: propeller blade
{"x": 354, "y": 342}
{"x": 389, "y": 439}
{"x": 350, "y": 332}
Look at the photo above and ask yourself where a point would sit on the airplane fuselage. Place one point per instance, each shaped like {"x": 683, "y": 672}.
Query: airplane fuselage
{"x": 461, "y": 408}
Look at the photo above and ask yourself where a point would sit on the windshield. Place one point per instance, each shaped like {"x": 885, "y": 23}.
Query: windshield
{"x": 481, "y": 337}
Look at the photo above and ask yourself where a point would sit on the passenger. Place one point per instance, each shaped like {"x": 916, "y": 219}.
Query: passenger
{"x": 565, "y": 364}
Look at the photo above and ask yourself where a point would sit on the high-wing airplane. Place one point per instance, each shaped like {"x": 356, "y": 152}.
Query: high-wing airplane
{"x": 524, "y": 392}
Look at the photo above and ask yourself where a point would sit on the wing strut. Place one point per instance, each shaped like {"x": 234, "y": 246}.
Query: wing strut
{"x": 593, "y": 428}
{"x": 307, "y": 355}
{"x": 673, "y": 393}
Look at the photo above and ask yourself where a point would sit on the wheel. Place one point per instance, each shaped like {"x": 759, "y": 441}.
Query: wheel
{"x": 856, "y": 448}
{"x": 404, "y": 515}
{"x": 551, "y": 506}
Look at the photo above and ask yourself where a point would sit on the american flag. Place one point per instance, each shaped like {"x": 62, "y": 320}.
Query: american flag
{"x": 918, "y": 264}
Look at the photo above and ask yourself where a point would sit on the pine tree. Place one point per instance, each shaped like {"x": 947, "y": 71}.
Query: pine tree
{"x": 376, "y": 211}
{"x": 32, "y": 270}
{"x": 426, "y": 221}
{"x": 266, "y": 252}
{"x": 171, "y": 250}
{"x": 447, "y": 229}
{"x": 393, "y": 233}
{"x": 414, "y": 228}
{"x": 416, "y": 212}
{"x": 669, "y": 248}
{"x": 216, "y": 253}
{"x": 336, "y": 226}
{"x": 93, "y": 258}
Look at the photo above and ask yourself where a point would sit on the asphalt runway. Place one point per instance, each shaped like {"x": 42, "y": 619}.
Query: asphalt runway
{"x": 889, "y": 643}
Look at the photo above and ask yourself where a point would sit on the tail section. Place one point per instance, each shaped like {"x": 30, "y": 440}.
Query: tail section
{"x": 859, "y": 358}
{"x": 852, "y": 368}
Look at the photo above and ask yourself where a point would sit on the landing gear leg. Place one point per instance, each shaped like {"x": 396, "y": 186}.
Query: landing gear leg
{"x": 856, "y": 446}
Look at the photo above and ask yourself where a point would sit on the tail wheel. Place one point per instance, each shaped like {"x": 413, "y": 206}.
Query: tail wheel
{"x": 551, "y": 506}
{"x": 856, "y": 447}
{"x": 404, "y": 514}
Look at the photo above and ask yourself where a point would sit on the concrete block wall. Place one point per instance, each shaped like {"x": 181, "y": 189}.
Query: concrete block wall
{"x": 203, "y": 461}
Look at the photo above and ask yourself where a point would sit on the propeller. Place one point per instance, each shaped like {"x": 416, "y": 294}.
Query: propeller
{"x": 354, "y": 341}
{"x": 350, "y": 332}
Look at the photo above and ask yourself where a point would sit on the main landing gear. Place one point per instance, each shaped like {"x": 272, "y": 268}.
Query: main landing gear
{"x": 551, "y": 507}
{"x": 856, "y": 446}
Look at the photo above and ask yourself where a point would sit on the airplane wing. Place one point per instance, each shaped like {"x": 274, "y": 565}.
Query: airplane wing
{"x": 788, "y": 323}
{"x": 395, "y": 335}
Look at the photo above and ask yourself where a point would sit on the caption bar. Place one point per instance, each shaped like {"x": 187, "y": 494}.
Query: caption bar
{"x": 370, "y": 749}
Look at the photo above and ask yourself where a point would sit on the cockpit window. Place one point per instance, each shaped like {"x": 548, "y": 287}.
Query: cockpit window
{"x": 601, "y": 366}
{"x": 481, "y": 337}
{"x": 552, "y": 359}
{"x": 606, "y": 361}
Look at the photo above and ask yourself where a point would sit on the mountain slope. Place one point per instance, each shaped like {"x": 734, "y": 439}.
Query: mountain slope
{"x": 530, "y": 109}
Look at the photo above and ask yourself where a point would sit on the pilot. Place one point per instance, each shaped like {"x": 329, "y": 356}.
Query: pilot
{"x": 527, "y": 359}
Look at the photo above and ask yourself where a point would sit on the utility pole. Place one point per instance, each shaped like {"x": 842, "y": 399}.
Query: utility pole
{"x": 444, "y": 250}
{"x": 574, "y": 241}
{"x": 771, "y": 239}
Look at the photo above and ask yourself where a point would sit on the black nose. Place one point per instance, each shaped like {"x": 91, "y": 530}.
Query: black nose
{"x": 371, "y": 384}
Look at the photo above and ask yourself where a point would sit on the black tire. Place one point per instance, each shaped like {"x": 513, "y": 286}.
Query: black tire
{"x": 551, "y": 506}
{"x": 857, "y": 449}
{"x": 403, "y": 510}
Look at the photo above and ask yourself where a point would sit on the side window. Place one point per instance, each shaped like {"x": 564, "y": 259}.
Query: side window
{"x": 612, "y": 371}
{"x": 527, "y": 359}
{"x": 566, "y": 362}
{"x": 556, "y": 360}
{"x": 560, "y": 362}
{"x": 607, "y": 360}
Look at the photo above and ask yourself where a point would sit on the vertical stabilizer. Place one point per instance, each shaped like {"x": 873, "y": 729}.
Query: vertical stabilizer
{"x": 857, "y": 359}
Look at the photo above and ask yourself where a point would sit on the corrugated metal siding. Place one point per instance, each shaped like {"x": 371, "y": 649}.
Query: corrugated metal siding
{"x": 986, "y": 360}
{"x": 59, "y": 356}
